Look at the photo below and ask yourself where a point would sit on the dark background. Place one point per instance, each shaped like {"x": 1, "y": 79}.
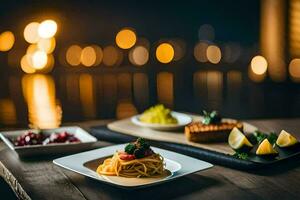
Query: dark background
{"x": 97, "y": 22}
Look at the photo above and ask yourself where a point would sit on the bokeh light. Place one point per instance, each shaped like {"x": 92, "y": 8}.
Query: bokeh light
{"x": 213, "y": 54}
{"x": 46, "y": 45}
{"x": 165, "y": 53}
{"x": 259, "y": 65}
{"x": 26, "y": 66}
{"x": 73, "y": 55}
{"x": 200, "y": 51}
{"x": 139, "y": 55}
{"x": 294, "y": 69}
{"x": 99, "y": 55}
{"x": 39, "y": 59}
{"x": 31, "y": 32}
{"x": 110, "y": 55}
{"x": 7, "y": 40}
{"x": 47, "y": 29}
{"x": 125, "y": 39}
{"x": 179, "y": 47}
{"x": 88, "y": 56}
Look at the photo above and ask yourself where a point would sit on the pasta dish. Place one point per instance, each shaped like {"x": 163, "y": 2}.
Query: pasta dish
{"x": 138, "y": 160}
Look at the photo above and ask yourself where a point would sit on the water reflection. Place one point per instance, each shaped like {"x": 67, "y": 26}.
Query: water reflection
{"x": 208, "y": 89}
{"x": 165, "y": 88}
{"x": 8, "y": 115}
{"x": 87, "y": 96}
{"x": 39, "y": 94}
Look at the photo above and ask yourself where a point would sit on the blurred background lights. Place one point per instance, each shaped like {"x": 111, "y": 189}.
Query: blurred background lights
{"x": 26, "y": 65}
{"x": 46, "y": 45}
{"x": 179, "y": 47}
{"x": 39, "y": 59}
{"x": 73, "y": 55}
{"x": 47, "y": 29}
{"x": 31, "y": 32}
{"x": 213, "y": 54}
{"x": 259, "y": 65}
{"x": 139, "y": 55}
{"x": 88, "y": 56}
{"x": 110, "y": 55}
{"x": 125, "y": 39}
{"x": 294, "y": 69}
{"x": 7, "y": 40}
{"x": 200, "y": 52}
{"x": 165, "y": 53}
{"x": 99, "y": 54}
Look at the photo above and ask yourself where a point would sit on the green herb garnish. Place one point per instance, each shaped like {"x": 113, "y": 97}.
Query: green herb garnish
{"x": 260, "y": 136}
{"x": 211, "y": 117}
{"x": 140, "y": 148}
{"x": 241, "y": 155}
{"x": 130, "y": 148}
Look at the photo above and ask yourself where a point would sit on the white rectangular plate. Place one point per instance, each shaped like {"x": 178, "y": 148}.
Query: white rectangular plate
{"x": 86, "y": 163}
{"x": 50, "y": 149}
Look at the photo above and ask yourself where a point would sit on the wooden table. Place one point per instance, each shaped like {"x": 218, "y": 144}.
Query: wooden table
{"x": 40, "y": 179}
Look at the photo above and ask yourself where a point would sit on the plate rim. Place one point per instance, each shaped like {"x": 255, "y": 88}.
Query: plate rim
{"x": 86, "y": 171}
{"x": 7, "y": 141}
{"x": 135, "y": 120}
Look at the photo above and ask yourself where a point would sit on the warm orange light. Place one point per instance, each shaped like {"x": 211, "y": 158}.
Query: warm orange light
{"x": 88, "y": 56}
{"x": 31, "y": 32}
{"x": 26, "y": 66}
{"x": 125, "y": 39}
{"x": 8, "y": 114}
{"x": 165, "y": 88}
{"x": 139, "y": 55}
{"x": 110, "y": 56}
{"x": 213, "y": 54}
{"x": 46, "y": 45}
{"x": 99, "y": 55}
{"x": 73, "y": 55}
{"x": 47, "y": 29}
{"x": 7, "y": 40}
{"x": 165, "y": 53}
{"x": 87, "y": 95}
{"x": 31, "y": 49}
{"x": 259, "y": 65}
{"x": 200, "y": 52}
{"x": 39, "y": 59}
{"x": 39, "y": 93}
{"x": 294, "y": 69}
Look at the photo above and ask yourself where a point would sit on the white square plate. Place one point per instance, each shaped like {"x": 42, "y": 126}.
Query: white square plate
{"x": 50, "y": 149}
{"x": 86, "y": 164}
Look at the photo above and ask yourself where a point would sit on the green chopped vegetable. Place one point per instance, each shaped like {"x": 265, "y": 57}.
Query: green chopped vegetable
{"x": 211, "y": 117}
{"x": 260, "y": 136}
{"x": 142, "y": 143}
{"x": 272, "y": 138}
{"x": 241, "y": 155}
{"x": 130, "y": 148}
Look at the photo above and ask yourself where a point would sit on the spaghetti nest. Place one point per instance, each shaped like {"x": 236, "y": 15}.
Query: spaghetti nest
{"x": 150, "y": 166}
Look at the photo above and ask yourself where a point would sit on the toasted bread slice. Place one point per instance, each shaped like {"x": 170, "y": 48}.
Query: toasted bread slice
{"x": 199, "y": 132}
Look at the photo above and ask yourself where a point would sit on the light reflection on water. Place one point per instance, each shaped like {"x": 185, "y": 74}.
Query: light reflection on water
{"x": 45, "y": 101}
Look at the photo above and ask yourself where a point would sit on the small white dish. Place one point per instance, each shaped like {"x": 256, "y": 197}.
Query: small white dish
{"x": 86, "y": 164}
{"x": 182, "y": 119}
{"x": 50, "y": 149}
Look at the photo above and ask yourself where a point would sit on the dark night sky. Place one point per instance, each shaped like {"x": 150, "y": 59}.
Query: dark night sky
{"x": 87, "y": 21}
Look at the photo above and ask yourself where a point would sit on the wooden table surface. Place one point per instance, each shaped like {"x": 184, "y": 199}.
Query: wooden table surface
{"x": 40, "y": 179}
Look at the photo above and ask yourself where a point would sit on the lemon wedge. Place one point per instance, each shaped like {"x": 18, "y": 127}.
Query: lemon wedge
{"x": 285, "y": 139}
{"x": 237, "y": 139}
{"x": 265, "y": 148}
